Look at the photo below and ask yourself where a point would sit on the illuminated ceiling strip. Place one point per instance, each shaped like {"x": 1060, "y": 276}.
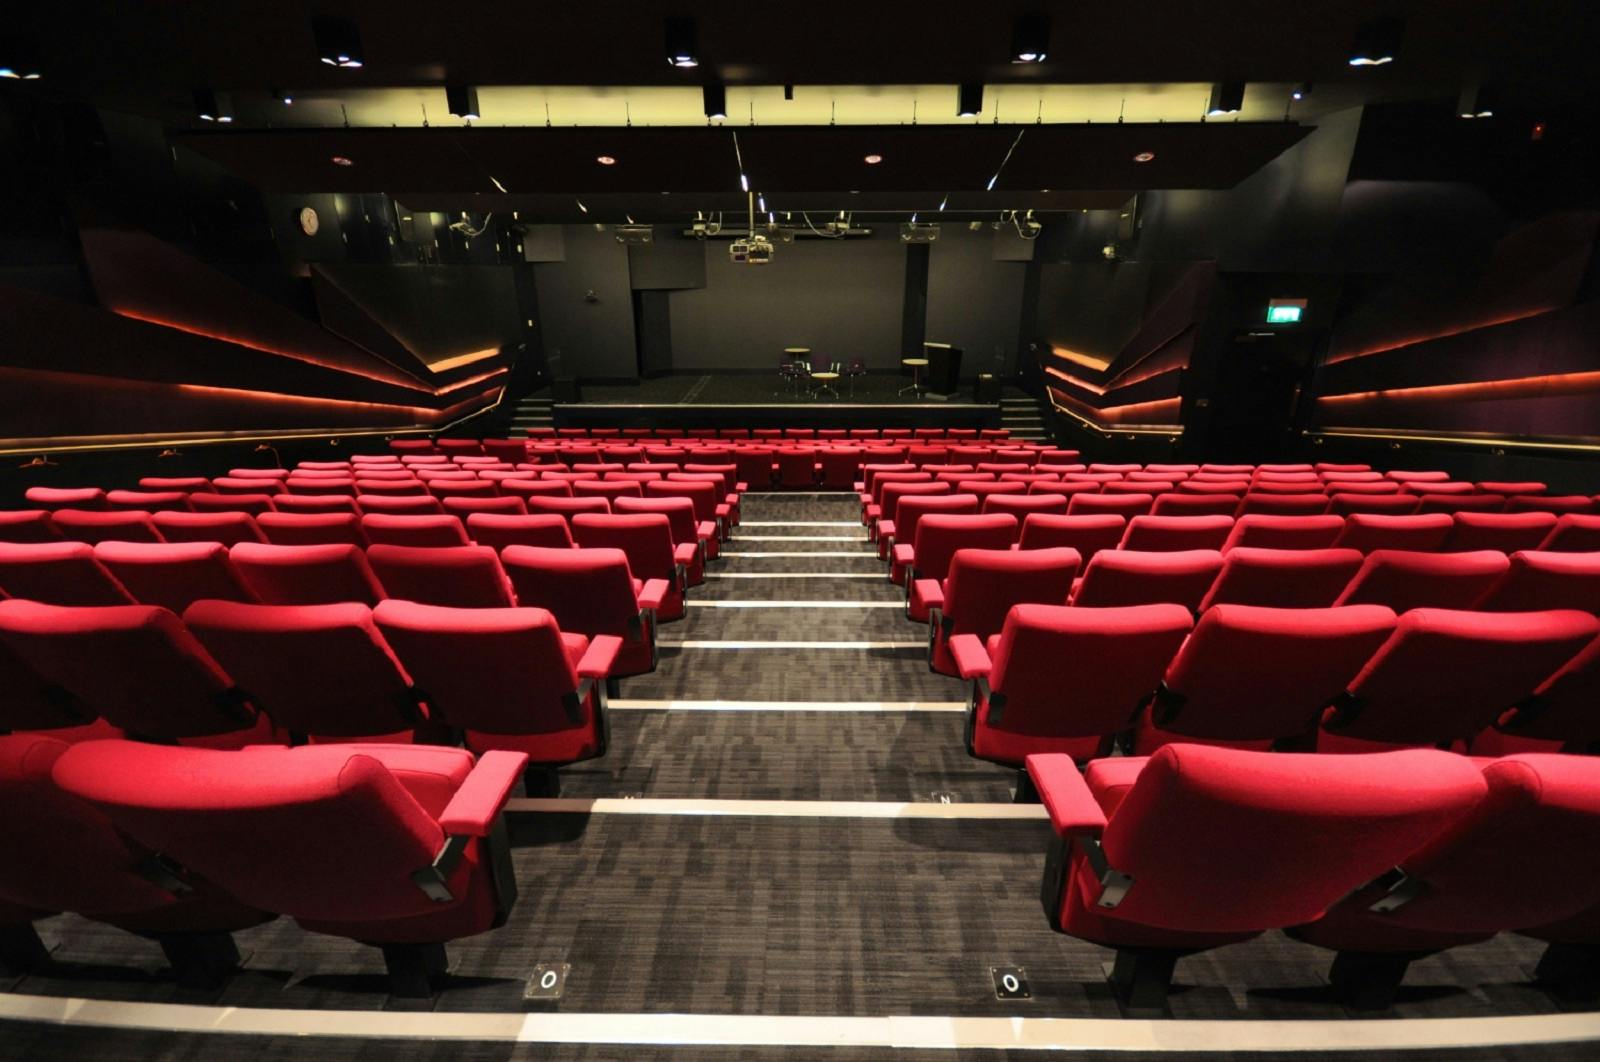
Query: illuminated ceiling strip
{"x": 1445, "y": 334}
{"x": 409, "y": 385}
{"x": 1517, "y": 387}
{"x": 461, "y": 359}
{"x": 1485, "y": 442}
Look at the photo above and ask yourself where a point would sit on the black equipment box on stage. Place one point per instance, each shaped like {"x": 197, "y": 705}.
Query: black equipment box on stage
{"x": 944, "y": 367}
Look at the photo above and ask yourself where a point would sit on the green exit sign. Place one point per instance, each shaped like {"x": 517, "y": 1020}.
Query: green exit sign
{"x": 1285, "y": 311}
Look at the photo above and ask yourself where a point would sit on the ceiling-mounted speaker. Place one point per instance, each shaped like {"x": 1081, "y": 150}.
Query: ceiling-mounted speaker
{"x": 1128, "y": 220}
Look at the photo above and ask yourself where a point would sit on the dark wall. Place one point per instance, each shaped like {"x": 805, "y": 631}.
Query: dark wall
{"x": 586, "y": 308}
{"x": 974, "y": 300}
{"x": 841, "y": 298}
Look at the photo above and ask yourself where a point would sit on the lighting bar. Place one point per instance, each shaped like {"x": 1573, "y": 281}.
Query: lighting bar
{"x": 462, "y": 101}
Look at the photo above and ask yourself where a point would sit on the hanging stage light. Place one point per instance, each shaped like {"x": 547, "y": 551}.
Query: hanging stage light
{"x": 212, "y": 106}
{"x": 1030, "y": 38}
{"x": 338, "y": 42}
{"x": 969, "y": 100}
{"x": 462, "y": 101}
{"x": 1227, "y": 97}
{"x": 681, "y": 49}
{"x": 1377, "y": 43}
{"x": 716, "y": 101}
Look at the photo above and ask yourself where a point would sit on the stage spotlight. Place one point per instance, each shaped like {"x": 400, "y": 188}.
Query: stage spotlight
{"x": 1376, "y": 42}
{"x": 19, "y": 61}
{"x": 1227, "y": 97}
{"x": 969, "y": 100}
{"x": 681, "y": 49}
{"x": 212, "y": 106}
{"x": 716, "y": 101}
{"x": 463, "y": 101}
{"x": 1300, "y": 91}
{"x": 338, "y": 42}
{"x": 1477, "y": 101}
{"x": 1030, "y": 38}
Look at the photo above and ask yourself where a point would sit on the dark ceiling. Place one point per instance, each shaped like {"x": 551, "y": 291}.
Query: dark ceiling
{"x": 158, "y": 49}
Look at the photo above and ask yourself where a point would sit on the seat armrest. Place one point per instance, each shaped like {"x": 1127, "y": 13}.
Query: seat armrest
{"x": 685, "y": 552}
{"x": 874, "y": 512}
{"x": 972, "y": 659}
{"x": 885, "y": 530}
{"x": 705, "y": 530}
{"x": 904, "y": 554}
{"x": 930, "y": 591}
{"x": 1073, "y": 809}
{"x": 654, "y": 593}
{"x": 471, "y": 812}
{"x": 601, "y": 656}
{"x": 740, "y": 487}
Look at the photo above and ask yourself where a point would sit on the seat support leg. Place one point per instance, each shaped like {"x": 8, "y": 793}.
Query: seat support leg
{"x": 1365, "y": 980}
{"x": 21, "y": 949}
{"x": 541, "y": 780}
{"x": 1142, "y": 979}
{"x": 1027, "y": 792}
{"x": 201, "y": 961}
{"x": 415, "y": 970}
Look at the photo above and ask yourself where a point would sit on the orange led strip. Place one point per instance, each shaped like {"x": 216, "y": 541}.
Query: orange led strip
{"x": 1519, "y": 387}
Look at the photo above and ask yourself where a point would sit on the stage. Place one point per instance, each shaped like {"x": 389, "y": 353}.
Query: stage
{"x": 763, "y": 401}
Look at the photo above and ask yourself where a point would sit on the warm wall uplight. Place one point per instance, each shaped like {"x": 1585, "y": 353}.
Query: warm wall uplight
{"x": 1482, "y": 390}
{"x": 1088, "y": 361}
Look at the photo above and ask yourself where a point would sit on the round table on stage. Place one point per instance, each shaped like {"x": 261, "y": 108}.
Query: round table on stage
{"x": 824, "y": 382}
{"x": 917, "y": 365}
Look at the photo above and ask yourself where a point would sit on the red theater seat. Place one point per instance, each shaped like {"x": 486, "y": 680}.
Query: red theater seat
{"x": 1573, "y": 533}
{"x": 1444, "y": 675}
{"x": 646, "y": 540}
{"x": 54, "y": 498}
{"x": 405, "y": 529}
{"x": 226, "y": 528}
{"x": 400, "y": 505}
{"x": 591, "y": 592}
{"x": 1086, "y": 534}
{"x": 319, "y": 671}
{"x": 85, "y": 525}
{"x": 685, "y": 530}
{"x": 1135, "y": 577}
{"x": 1197, "y": 847}
{"x": 1369, "y": 532}
{"x": 1124, "y": 505}
{"x": 497, "y": 531}
{"x": 1541, "y": 816}
{"x": 1265, "y": 531}
{"x": 149, "y": 501}
{"x": 465, "y": 507}
{"x": 908, "y": 514}
{"x": 1558, "y": 504}
{"x": 28, "y": 525}
{"x": 306, "y": 575}
{"x": 1506, "y": 532}
{"x": 981, "y": 588}
{"x": 58, "y": 573}
{"x": 315, "y": 503}
{"x": 450, "y": 576}
{"x": 187, "y": 484}
{"x": 938, "y": 537}
{"x": 135, "y": 666}
{"x": 1283, "y": 504}
{"x": 311, "y": 529}
{"x": 1181, "y": 504}
{"x": 77, "y": 860}
{"x": 508, "y": 678}
{"x": 1283, "y": 578}
{"x": 402, "y": 848}
{"x": 1161, "y": 534}
{"x": 1346, "y": 503}
{"x": 1561, "y": 710}
{"x": 1405, "y": 580}
{"x": 254, "y": 504}
{"x": 1534, "y": 579}
{"x": 1253, "y": 677}
{"x": 1020, "y": 704}
{"x": 173, "y": 575}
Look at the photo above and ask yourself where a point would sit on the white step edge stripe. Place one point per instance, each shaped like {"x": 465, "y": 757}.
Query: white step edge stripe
{"x": 890, "y": 1031}
{"x": 794, "y": 575}
{"x": 630, "y": 704}
{"x": 695, "y": 643}
{"x": 799, "y": 523}
{"x": 795, "y": 604}
{"x": 804, "y": 553}
{"x": 777, "y": 809}
{"x": 802, "y": 538}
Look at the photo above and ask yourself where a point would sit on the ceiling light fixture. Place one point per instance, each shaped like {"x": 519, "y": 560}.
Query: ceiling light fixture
{"x": 1376, "y": 42}
{"x": 496, "y": 182}
{"x": 338, "y": 42}
{"x": 462, "y": 101}
{"x": 605, "y": 160}
{"x": 581, "y": 206}
{"x": 212, "y": 106}
{"x": 716, "y": 101}
{"x": 1030, "y": 38}
{"x": 969, "y": 100}
{"x": 681, "y": 51}
{"x": 1227, "y": 97}
{"x": 1300, "y": 91}
{"x": 1145, "y": 156}
{"x": 340, "y": 160}
{"x": 873, "y": 160}
{"x": 1477, "y": 101}
{"x": 283, "y": 96}
{"x": 19, "y": 60}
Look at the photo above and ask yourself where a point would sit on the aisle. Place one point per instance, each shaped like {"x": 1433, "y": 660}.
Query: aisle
{"x": 795, "y": 676}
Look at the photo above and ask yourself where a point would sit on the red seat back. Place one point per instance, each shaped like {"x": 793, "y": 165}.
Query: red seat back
{"x": 1283, "y": 578}
{"x": 453, "y": 576}
{"x": 173, "y": 575}
{"x": 1137, "y": 577}
{"x": 306, "y": 575}
{"x": 1405, "y": 580}
{"x": 58, "y": 573}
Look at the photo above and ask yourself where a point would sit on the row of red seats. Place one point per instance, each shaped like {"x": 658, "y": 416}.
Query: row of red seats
{"x": 1085, "y": 681}
{"x": 475, "y": 446}
{"x": 403, "y": 847}
{"x": 1380, "y": 858}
